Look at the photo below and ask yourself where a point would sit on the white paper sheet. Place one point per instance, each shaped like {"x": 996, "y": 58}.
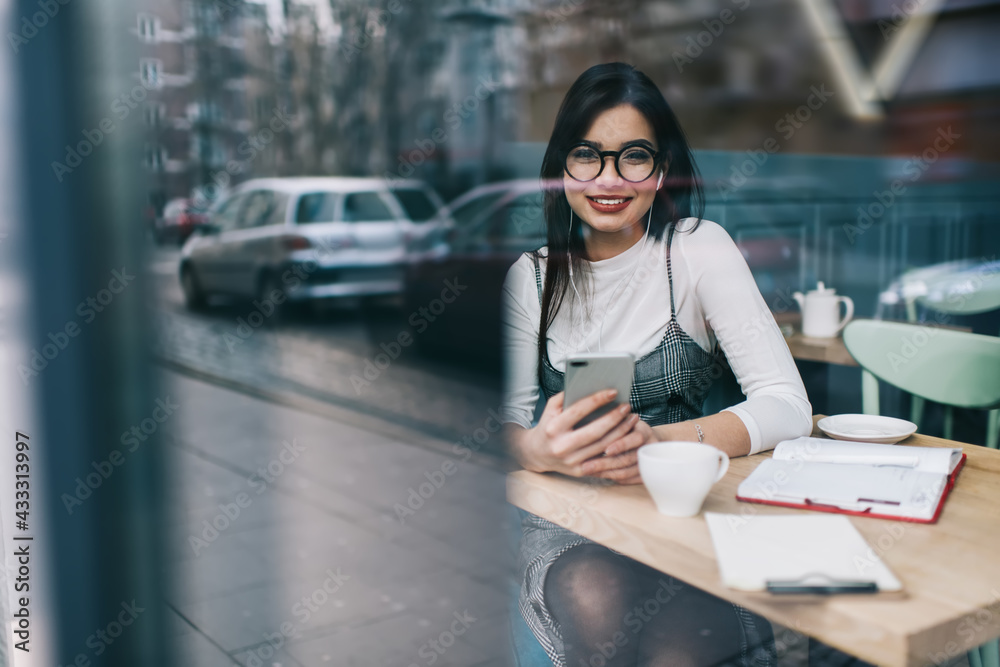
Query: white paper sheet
{"x": 754, "y": 550}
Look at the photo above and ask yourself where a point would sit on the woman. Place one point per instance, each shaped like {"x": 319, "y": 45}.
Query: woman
{"x": 630, "y": 266}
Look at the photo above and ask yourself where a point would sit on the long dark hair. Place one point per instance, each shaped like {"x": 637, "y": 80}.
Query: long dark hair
{"x": 600, "y": 88}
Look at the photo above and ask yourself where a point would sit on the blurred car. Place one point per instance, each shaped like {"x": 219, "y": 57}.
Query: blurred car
{"x": 181, "y": 217}
{"x": 311, "y": 238}
{"x": 491, "y": 227}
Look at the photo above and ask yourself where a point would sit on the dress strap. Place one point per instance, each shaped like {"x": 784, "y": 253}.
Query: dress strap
{"x": 670, "y": 275}
{"x": 538, "y": 277}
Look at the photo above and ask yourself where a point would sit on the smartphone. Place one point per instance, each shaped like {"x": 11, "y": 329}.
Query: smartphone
{"x": 593, "y": 372}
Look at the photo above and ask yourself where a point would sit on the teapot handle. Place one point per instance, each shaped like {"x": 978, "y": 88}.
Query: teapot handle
{"x": 849, "y": 306}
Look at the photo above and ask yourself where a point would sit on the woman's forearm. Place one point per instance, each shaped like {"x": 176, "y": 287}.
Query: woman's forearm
{"x": 723, "y": 430}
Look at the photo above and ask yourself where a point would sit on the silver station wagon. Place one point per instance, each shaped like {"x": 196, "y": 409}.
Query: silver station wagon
{"x": 310, "y": 238}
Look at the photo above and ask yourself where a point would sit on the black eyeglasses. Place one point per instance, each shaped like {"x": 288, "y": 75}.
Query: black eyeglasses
{"x": 634, "y": 163}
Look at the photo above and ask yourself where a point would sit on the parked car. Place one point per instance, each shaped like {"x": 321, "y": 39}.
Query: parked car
{"x": 491, "y": 227}
{"x": 311, "y": 238}
{"x": 181, "y": 217}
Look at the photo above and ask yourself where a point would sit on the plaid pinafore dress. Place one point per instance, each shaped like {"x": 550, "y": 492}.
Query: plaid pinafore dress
{"x": 670, "y": 385}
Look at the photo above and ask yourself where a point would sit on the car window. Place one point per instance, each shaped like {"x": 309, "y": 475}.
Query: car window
{"x": 279, "y": 205}
{"x": 263, "y": 207}
{"x": 521, "y": 219}
{"x": 315, "y": 207}
{"x": 416, "y": 203}
{"x": 467, "y": 213}
{"x": 227, "y": 214}
{"x": 364, "y": 207}
{"x": 256, "y": 209}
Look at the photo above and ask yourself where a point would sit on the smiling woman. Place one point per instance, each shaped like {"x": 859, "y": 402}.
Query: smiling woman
{"x": 631, "y": 267}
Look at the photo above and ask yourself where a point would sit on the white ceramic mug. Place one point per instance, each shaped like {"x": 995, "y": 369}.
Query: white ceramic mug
{"x": 678, "y": 475}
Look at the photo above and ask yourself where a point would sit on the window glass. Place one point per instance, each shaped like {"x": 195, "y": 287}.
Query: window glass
{"x": 315, "y": 207}
{"x": 279, "y": 205}
{"x": 522, "y": 219}
{"x": 416, "y": 203}
{"x": 365, "y": 206}
{"x": 263, "y": 207}
{"x": 226, "y": 215}
{"x": 467, "y": 213}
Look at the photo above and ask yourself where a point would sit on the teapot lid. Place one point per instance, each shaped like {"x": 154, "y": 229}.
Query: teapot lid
{"x": 822, "y": 289}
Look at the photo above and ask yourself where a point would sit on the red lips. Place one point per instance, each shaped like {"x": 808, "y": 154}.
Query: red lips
{"x": 609, "y": 208}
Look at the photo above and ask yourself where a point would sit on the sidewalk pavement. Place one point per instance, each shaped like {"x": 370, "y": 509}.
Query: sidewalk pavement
{"x": 297, "y": 539}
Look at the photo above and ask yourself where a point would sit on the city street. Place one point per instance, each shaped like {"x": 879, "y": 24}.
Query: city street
{"x": 314, "y": 524}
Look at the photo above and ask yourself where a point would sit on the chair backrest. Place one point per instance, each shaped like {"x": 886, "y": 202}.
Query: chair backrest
{"x": 942, "y": 365}
{"x": 965, "y": 290}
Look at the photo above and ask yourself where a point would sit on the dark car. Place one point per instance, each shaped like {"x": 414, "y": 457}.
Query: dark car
{"x": 493, "y": 226}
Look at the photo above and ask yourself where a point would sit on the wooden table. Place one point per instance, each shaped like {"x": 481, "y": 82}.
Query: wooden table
{"x": 803, "y": 348}
{"x": 950, "y": 570}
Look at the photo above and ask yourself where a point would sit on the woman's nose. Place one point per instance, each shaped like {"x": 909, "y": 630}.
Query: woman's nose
{"x": 609, "y": 174}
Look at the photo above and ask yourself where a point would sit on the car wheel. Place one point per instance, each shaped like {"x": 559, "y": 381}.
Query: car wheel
{"x": 194, "y": 297}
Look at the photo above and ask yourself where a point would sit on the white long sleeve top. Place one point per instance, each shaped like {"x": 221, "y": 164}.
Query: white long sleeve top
{"x": 716, "y": 300}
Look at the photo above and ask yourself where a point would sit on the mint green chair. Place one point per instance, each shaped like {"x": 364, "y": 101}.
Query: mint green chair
{"x": 942, "y": 365}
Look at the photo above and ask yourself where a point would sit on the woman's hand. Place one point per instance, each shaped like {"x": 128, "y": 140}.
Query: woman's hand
{"x": 553, "y": 444}
{"x": 620, "y": 461}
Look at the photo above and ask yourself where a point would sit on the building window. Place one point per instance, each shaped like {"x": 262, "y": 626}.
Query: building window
{"x": 149, "y": 27}
{"x": 154, "y": 157}
{"x": 150, "y": 72}
{"x": 207, "y": 149}
{"x": 154, "y": 113}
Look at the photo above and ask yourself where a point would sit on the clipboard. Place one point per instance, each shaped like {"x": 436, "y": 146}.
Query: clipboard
{"x": 797, "y": 554}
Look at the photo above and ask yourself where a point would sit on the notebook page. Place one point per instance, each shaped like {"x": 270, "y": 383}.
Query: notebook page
{"x": 926, "y": 459}
{"x": 754, "y": 550}
{"x": 889, "y": 490}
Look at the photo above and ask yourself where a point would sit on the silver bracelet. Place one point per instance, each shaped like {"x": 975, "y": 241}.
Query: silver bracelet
{"x": 701, "y": 435}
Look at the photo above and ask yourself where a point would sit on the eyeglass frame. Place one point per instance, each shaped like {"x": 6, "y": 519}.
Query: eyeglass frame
{"x": 604, "y": 155}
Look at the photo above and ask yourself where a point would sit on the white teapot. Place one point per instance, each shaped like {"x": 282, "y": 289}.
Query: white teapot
{"x": 821, "y": 312}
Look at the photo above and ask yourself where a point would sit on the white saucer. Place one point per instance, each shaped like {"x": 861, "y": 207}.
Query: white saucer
{"x": 867, "y": 428}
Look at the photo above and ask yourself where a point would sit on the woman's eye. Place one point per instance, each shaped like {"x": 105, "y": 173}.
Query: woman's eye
{"x": 637, "y": 156}
{"x": 583, "y": 154}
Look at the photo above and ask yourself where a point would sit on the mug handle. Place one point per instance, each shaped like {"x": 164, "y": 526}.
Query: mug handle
{"x": 723, "y": 465}
{"x": 849, "y": 306}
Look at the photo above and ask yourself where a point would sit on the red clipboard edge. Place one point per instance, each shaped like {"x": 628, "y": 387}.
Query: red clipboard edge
{"x": 836, "y": 510}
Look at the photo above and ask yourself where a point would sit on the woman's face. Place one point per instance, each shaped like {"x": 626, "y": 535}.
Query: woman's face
{"x": 609, "y": 204}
